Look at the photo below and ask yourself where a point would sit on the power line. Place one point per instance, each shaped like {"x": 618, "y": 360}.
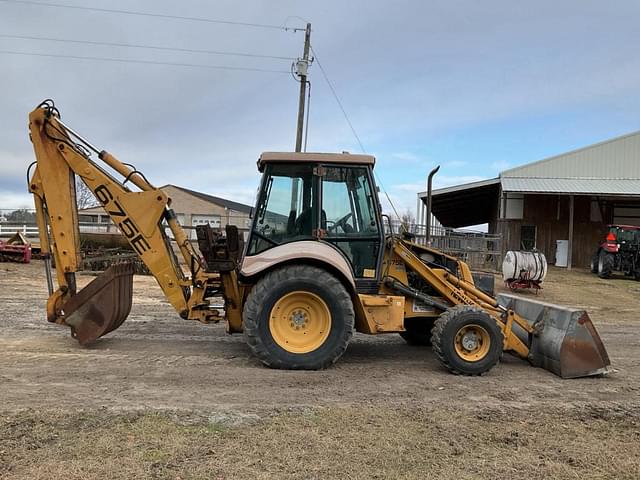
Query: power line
{"x": 155, "y": 15}
{"x": 151, "y": 47}
{"x": 335, "y": 95}
{"x": 353, "y": 130}
{"x": 144, "y": 62}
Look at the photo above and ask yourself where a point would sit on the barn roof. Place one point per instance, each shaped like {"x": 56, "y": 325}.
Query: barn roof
{"x": 223, "y": 202}
{"x": 231, "y": 205}
{"x": 609, "y": 168}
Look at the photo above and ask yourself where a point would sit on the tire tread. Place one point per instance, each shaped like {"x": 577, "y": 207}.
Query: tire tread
{"x": 258, "y": 295}
{"x": 608, "y": 262}
{"x": 437, "y": 334}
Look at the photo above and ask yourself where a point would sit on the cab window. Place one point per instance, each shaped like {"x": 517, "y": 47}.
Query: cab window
{"x": 286, "y": 208}
{"x": 349, "y": 216}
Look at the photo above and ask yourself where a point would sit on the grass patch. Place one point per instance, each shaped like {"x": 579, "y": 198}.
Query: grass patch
{"x": 412, "y": 443}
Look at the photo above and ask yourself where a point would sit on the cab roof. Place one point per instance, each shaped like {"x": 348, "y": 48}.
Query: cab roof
{"x": 308, "y": 157}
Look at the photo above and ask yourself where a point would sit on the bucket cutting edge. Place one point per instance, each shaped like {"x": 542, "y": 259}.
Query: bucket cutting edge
{"x": 102, "y": 306}
{"x": 566, "y": 341}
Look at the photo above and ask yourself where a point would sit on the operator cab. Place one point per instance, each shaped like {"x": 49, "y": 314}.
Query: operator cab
{"x": 321, "y": 197}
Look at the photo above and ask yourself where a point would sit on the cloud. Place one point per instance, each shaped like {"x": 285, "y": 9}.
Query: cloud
{"x": 457, "y": 163}
{"x": 15, "y": 201}
{"x": 405, "y": 157}
{"x": 409, "y": 187}
{"x": 407, "y": 73}
{"x": 401, "y": 204}
{"x": 500, "y": 165}
{"x": 439, "y": 181}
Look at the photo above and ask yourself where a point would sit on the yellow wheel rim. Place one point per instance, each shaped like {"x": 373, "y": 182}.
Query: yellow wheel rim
{"x": 472, "y": 343}
{"x": 300, "y": 322}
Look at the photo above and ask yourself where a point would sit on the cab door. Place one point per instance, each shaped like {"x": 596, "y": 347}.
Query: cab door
{"x": 350, "y": 219}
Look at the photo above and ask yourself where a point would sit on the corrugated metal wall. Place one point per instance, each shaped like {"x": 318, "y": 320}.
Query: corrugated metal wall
{"x": 616, "y": 158}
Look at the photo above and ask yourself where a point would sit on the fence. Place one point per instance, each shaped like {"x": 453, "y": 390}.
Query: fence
{"x": 30, "y": 230}
{"x": 9, "y": 228}
{"x": 480, "y": 250}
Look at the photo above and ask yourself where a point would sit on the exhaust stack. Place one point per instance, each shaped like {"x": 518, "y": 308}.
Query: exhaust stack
{"x": 429, "y": 189}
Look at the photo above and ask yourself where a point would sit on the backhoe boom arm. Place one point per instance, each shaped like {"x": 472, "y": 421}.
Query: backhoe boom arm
{"x": 60, "y": 155}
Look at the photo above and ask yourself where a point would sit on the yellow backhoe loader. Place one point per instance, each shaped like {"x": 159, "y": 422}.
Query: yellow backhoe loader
{"x": 317, "y": 265}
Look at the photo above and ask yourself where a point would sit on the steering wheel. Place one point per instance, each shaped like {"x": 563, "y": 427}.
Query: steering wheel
{"x": 341, "y": 223}
{"x": 264, "y": 237}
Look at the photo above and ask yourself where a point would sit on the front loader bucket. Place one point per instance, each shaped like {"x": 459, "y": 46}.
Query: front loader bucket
{"x": 565, "y": 343}
{"x": 101, "y": 306}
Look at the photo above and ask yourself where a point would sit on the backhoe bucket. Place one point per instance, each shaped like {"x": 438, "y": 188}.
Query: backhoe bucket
{"x": 101, "y": 306}
{"x": 565, "y": 343}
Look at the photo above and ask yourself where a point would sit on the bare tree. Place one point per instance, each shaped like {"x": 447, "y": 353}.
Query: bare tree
{"x": 21, "y": 215}
{"x": 84, "y": 196}
{"x": 407, "y": 219}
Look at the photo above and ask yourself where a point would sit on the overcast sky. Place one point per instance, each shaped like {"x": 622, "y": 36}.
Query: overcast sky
{"x": 475, "y": 86}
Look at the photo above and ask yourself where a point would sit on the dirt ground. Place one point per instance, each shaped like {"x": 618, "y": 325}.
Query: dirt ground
{"x": 166, "y": 398}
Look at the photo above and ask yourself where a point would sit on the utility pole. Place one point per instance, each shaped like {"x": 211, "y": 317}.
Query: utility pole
{"x": 302, "y": 65}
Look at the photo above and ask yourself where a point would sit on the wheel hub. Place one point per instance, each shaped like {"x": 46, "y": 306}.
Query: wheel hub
{"x": 299, "y": 319}
{"x": 300, "y": 322}
{"x": 470, "y": 341}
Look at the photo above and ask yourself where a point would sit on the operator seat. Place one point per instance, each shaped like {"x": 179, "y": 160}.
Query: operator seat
{"x": 304, "y": 225}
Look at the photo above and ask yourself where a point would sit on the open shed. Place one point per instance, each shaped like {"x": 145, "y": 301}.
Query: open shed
{"x": 556, "y": 205}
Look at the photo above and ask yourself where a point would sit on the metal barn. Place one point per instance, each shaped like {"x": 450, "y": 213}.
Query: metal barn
{"x": 560, "y": 205}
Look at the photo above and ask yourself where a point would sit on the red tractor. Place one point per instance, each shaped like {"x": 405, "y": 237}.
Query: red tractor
{"x": 619, "y": 251}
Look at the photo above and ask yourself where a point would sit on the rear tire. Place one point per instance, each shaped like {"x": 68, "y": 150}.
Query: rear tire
{"x": 606, "y": 262}
{"x": 593, "y": 266}
{"x": 417, "y": 331}
{"x": 467, "y": 340}
{"x": 298, "y": 317}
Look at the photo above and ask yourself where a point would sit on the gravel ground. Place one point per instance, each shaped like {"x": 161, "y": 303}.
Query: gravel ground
{"x": 166, "y": 398}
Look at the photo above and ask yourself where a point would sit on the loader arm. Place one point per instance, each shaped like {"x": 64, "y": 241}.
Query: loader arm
{"x": 60, "y": 155}
{"x": 561, "y": 340}
{"x": 459, "y": 291}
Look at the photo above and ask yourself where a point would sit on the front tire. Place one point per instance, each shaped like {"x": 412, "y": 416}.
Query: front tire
{"x": 467, "y": 340}
{"x": 593, "y": 266}
{"x": 606, "y": 262}
{"x": 298, "y": 317}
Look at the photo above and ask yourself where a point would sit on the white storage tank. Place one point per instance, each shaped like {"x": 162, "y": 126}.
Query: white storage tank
{"x": 524, "y": 266}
